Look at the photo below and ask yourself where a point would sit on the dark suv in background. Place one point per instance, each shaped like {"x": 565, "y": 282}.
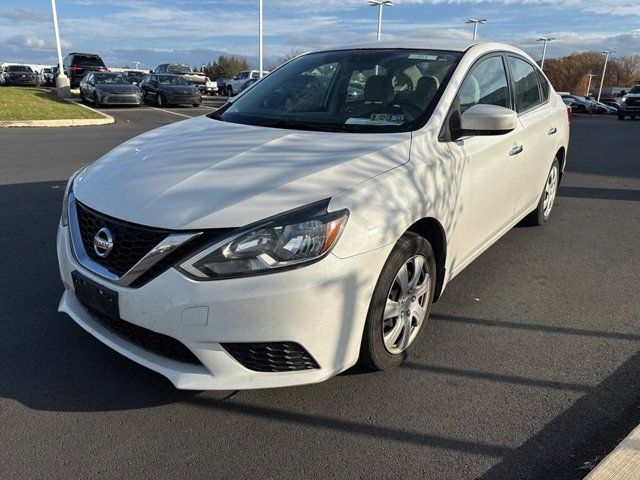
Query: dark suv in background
{"x": 77, "y": 64}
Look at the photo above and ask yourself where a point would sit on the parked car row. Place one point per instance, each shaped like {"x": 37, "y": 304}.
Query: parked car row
{"x": 581, "y": 104}
{"x": 110, "y": 88}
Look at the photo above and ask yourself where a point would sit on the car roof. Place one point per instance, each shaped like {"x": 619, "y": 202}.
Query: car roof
{"x": 458, "y": 45}
{"x": 418, "y": 44}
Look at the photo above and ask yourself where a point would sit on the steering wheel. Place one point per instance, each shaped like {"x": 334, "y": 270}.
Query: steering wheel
{"x": 410, "y": 109}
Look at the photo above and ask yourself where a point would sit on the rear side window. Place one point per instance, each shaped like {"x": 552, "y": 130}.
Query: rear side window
{"x": 544, "y": 86}
{"x": 525, "y": 80}
{"x": 88, "y": 61}
{"x": 486, "y": 84}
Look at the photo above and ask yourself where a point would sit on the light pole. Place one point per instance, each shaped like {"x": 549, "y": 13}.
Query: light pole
{"x": 544, "y": 49}
{"x": 137, "y": 65}
{"x": 260, "y": 61}
{"x": 380, "y": 4}
{"x": 62, "y": 82}
{"x": 604, "y": 70}
{"x": 590, "y": 75}
{"x": 475, "y": 22}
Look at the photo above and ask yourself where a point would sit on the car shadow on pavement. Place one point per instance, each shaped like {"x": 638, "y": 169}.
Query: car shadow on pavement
{"x": 46, "y": 361}
{"x": 581, "y": 435}
{"x": 600, "y": 193}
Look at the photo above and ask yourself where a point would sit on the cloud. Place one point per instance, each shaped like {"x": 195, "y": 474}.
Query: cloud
{"x": 23, "y": 15}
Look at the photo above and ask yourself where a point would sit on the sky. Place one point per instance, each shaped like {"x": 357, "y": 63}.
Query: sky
{"x": 196, "y": 32}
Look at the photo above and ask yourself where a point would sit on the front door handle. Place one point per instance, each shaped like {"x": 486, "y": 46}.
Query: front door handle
{"x": 552, "y": 131}
{"x": 516, "y": 150}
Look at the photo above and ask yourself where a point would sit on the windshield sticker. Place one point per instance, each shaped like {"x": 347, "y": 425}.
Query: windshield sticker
{"x": 378, "y": 119}
{"x": 422, "y": 56}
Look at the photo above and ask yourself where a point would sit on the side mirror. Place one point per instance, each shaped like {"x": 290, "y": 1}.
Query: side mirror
{"x": 488, "y": 120}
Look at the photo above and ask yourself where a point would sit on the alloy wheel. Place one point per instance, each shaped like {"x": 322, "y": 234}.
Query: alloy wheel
{"x": 550, "y": 190}
{"x": 407, "y": 304}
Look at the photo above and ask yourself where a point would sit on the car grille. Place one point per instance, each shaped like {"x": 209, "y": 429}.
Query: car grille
{"x": 131, "y": 242}
{"x": 272, "y": 356}
{"x": 120, "y": 99}
{"x": 149, "y": 340}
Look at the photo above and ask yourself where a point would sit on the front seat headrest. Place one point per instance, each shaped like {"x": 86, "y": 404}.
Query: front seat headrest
{"x": 378, "y": 89}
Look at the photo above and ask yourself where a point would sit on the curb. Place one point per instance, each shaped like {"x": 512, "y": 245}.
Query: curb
{"x": 623, "y": 463}
{"x": 77, "y": 122}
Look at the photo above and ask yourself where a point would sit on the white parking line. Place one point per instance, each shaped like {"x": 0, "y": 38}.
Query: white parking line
{"x": 169, "y": 111}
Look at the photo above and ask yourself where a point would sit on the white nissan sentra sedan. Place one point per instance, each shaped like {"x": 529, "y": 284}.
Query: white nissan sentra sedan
{"x": 311, "y": 222}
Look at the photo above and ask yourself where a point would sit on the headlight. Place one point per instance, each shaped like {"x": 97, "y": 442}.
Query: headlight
{"x": 286, "y": 241}
{"x": 624, "y": 99}
{"x": 64, "y": 218}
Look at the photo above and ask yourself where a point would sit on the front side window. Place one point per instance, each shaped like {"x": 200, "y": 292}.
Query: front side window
{"x": 486, "y": 84}
{"x": 372, "y": 90}
{"x": 525, "y": 81}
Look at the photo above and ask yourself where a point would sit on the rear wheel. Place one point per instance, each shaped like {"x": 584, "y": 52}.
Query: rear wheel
{"x": 541, "y": 214}
{"x": 230, "y": 91}
{"x": 400, "y": 304}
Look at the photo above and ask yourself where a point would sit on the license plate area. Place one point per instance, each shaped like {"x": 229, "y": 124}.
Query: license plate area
{"x": 96, "y": 297}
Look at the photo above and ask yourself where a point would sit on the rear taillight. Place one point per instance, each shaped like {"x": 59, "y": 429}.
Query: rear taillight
{"x": 569, "y": 112}
{"x": 206, "y": 79}
{"x": 75, "y": 69}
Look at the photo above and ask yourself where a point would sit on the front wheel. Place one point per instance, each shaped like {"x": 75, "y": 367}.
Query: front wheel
{"x": 541, "y": 214}
{"x": 620, "y": 117}
{"x": 96, "y": 101}
{"x": 159, "y": 101}
{"x": 400, "y": 304}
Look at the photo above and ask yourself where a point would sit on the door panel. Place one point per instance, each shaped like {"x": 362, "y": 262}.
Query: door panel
{"x": 493, "y": 163}
{"x": 494, "y": 166}
{"x": 537, "y": 120}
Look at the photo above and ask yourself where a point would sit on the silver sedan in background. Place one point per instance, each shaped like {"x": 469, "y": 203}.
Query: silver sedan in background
{"x": 109, "y": 89}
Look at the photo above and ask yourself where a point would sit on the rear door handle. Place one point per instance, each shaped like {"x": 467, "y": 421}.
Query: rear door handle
{"x": 552, "y": 131}
{"x": 516, "y": 150}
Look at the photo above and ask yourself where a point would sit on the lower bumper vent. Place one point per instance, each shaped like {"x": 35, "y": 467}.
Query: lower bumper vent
{"x": 154, "y": 342}
{"x": 272, "y": 356}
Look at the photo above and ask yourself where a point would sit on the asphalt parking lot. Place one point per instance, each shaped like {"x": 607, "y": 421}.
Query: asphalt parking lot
{"x": 530, "y": 367}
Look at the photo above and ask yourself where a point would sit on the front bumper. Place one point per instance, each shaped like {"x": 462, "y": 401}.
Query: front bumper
{"x": 30, "y": 81}
{"x": 121, "y": 99}
{"x": 184, "y": 99}
{"x": 321, "y": 307}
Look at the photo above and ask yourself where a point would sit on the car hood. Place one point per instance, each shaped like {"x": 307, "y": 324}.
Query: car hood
{"x": 20, "y": 74}
{"x": 117, "y": 88}
{"x": 204, "y": 173}
{"x": 181, "y": 89}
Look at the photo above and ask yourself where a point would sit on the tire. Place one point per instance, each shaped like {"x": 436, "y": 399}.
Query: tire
{"x": 82, "y": 97}
{"x": 195, "y": 105}
{"x": 542, "y": 213}
{"x": 96, "y": 101}
{"x": 229, "y": 91}
{"x": 386, "y": 343}
{"x": 159, "y": 101}
{"x": 620, "y": 117}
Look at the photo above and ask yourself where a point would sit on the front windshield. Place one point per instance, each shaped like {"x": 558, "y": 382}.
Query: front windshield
{"x": 377, "y": 90}
{"x": 635, "y": 89}
{"x": 110, "y": 79}
{"x": 171, "y": 80}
